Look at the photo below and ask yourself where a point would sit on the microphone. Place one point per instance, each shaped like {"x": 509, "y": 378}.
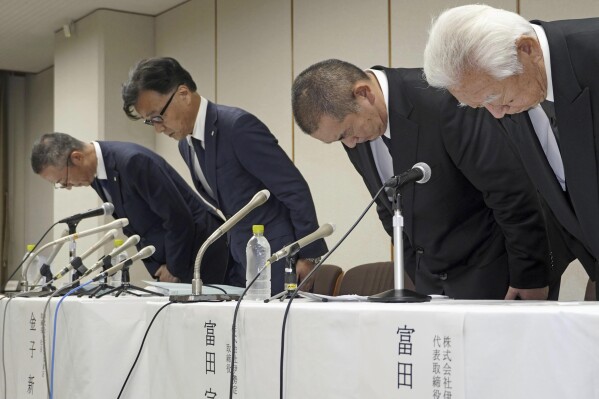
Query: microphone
{"x": 77, "y": 264}
{"x": 419, "y": 173}
{"x": 146, "y": 252}
{"x": 106, "y": 209}
{"x": 323, "y": 231}
{"x": 131, "y": 241}
{"x": 49, "y": 260}
{"x": 116, "y": 224}
{"x": 259, "y": 198}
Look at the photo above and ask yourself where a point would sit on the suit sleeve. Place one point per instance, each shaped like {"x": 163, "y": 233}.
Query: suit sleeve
{"x": 258, "y": 151}
{"x": 175, "y": 226}
{"x": 476, "y": 144}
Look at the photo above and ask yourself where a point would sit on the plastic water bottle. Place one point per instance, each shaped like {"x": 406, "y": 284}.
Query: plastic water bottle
{"x": 257, "y": 252}
{"x": 34, "y": 267}
{"x": 116, "y": 278}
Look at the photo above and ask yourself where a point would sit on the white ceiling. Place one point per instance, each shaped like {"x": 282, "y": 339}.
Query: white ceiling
{"x": 27, "y": 26}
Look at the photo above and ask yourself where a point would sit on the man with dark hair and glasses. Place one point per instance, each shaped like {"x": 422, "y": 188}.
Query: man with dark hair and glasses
{"x": 161, "y": 207}
{"x": 231, "y": 155}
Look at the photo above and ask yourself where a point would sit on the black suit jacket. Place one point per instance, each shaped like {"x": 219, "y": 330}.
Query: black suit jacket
{"x": 162, "y": 209}
{"x": 574, "y": 55}
{"x": 243, "y": 157}
{"x": 477, "y": 214}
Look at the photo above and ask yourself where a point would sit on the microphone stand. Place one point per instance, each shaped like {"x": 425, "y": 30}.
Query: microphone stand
{"x": 290, "y": 284}
{"x": 399, "y": 294}
{"x": 106, "y": 264}
{"x": 126, "y": 286}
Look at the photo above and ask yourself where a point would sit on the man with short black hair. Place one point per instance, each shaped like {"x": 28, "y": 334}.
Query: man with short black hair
{"x": 231, "y": 155}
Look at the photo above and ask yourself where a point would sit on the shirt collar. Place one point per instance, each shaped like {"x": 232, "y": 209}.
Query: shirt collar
{"x": 384, "y": 84}
{"x": 200, "y": 125}
{"x": 546, "y": 58}
{"x": 101, "y": 168}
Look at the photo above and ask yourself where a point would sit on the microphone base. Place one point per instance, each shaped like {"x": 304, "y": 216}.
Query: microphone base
{"x": 203, "y": 298}
{"x": 399, "y": 296}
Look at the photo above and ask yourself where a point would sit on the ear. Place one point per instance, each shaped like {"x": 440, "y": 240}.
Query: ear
{"x": 77, "y": 158}
{"x": 362, "y": 91}
{"x": 528, "y": 46}
{"x": 184, "y": 93}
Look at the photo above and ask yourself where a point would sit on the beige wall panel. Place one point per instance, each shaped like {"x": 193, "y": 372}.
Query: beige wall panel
{"x": 186, "y": 33}
{"x": 126, "y": 38}
{"x": 254, "y": 61}
{"x": 16, "y": 142}
{"x": 411, "y": 20}
{"x": 550, "y": 10}
{"x": 77, "y": 87}
{"x": 355, "y": 31}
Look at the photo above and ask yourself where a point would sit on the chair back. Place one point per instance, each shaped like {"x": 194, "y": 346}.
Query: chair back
{"x": 367, "y": 279}
{"x": 327, "y": 279}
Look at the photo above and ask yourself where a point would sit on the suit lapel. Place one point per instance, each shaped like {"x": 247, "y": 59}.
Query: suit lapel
{"x": 114, "y": 182}
{"x": 404, "y": 140}
{"x": 210, "y": 135}
{"x": 522, "y": 133}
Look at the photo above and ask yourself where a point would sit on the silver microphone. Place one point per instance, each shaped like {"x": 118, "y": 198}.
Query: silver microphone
{"x": 323, "y": 231}
{"x": 76, "y": 262}
{"x": 117, "y": 224}
{"x": 260, "y": 198}
{"x": 105, "y": 209}
{"x": 146, "y": 252}
{"x": 419, "y": 173}
{"x": 131, "y": 241}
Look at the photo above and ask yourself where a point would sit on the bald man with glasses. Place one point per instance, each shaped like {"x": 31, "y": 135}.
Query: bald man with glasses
{"x": 231, "y": 155}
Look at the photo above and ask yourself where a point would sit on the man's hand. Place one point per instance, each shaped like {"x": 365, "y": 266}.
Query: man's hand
{"x": 302, "y": 268}
{"x": 163, "y": 275}
{"x": 529, "y": 293}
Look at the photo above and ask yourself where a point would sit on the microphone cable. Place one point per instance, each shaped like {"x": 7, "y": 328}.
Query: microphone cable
{"x": 294, "y": 294}
{"x": 53, "y": 351}
{"x": 29, "y": 254}
{"x": 143, "y": 341}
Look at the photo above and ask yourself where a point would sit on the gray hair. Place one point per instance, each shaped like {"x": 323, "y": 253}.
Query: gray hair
{"x": 325, "y": 88}
{"x": 52, "y": 149}
{"x": 473, "y": 38}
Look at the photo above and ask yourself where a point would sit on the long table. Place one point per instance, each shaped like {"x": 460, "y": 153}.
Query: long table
{"x": 442, "y": 350}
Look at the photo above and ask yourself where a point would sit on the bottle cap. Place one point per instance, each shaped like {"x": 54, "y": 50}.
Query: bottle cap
{"x": 30, "y": 247}
{"x": 258, "y": 229}
{"x": 118, "y": 242}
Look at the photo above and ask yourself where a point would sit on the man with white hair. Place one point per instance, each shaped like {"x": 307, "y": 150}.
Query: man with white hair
{"x": 548, "y": 72}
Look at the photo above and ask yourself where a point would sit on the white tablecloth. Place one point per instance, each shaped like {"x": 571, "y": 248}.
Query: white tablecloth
{"x": 468, "y": 349}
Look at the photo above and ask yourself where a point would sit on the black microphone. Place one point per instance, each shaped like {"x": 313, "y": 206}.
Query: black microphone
{"x": 106, "y": 209}
{"x": 419, "y": 173}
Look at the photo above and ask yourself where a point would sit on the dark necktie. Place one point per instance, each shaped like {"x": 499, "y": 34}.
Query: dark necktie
{"x": 104, "y": 185}
{"x": 549, "y": 109}
{"x": 200, "y": 154}
{"x": 387, "y": 142}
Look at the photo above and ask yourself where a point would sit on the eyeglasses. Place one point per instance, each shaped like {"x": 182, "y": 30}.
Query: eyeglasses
{"x": 59, "y": 185}
{"x": 159, "y": 118}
